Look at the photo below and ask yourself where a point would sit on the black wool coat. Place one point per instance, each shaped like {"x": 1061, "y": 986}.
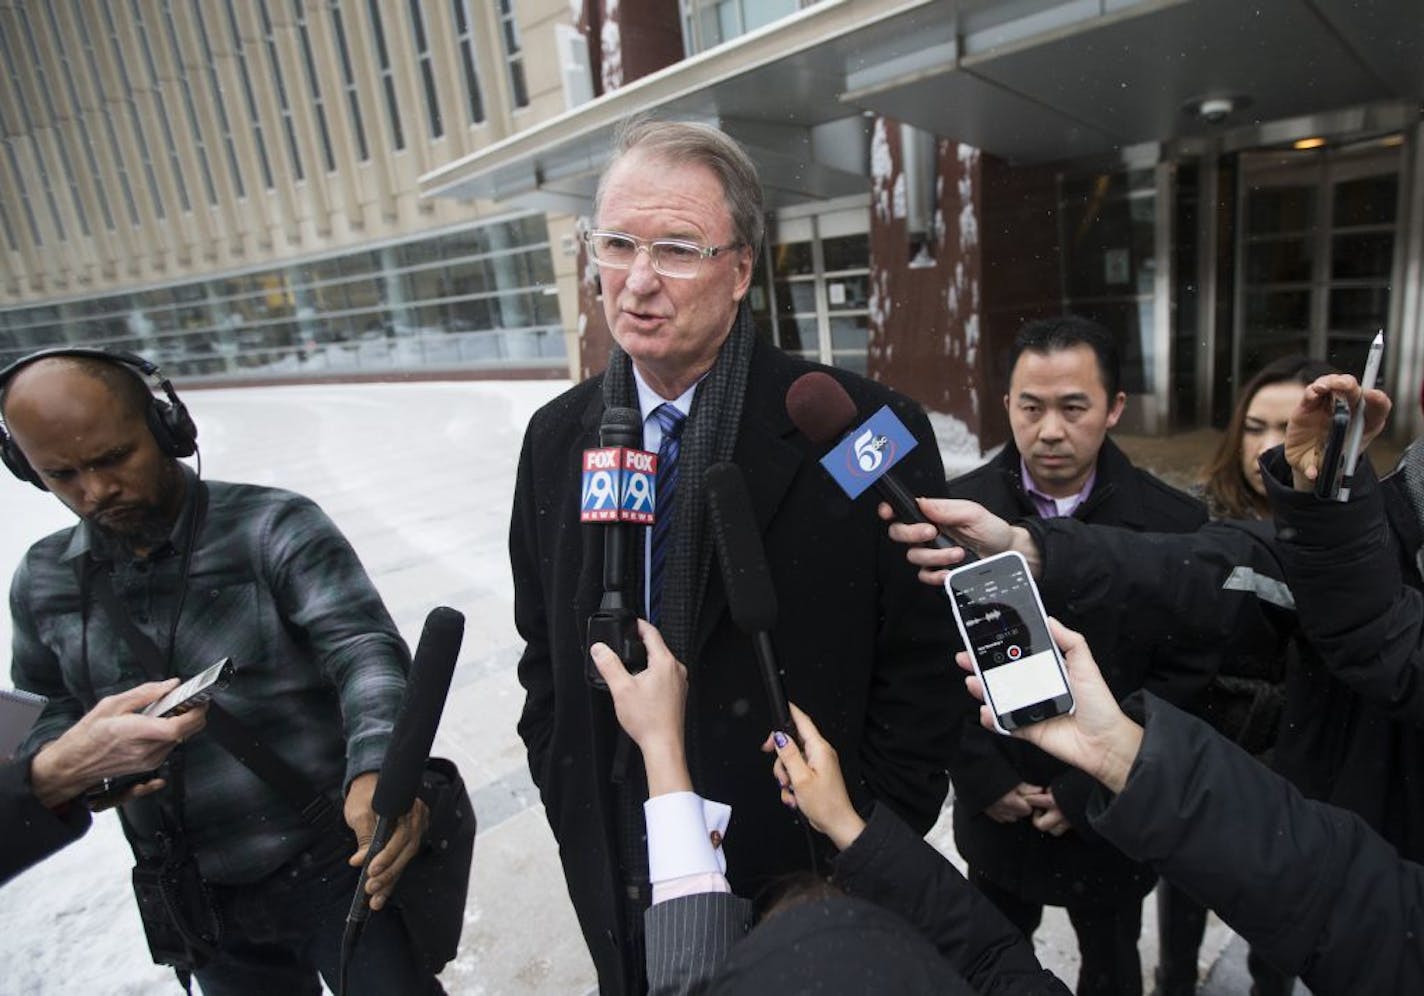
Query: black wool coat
{"x": 865, "y": 647}
{"x": 1078, "y": 865}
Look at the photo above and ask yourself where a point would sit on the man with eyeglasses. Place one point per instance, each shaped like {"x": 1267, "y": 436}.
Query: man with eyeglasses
{"x": 678, "y": 226}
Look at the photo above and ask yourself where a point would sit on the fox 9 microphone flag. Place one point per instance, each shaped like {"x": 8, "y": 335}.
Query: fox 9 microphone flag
{"x": 619, "y": 485}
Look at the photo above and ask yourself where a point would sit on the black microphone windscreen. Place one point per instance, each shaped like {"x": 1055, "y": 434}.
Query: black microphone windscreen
{"x": 750, "y": 594}
{"x": 621, "y": 427}
{"x": 820, "y": 407}
{"x": 426, "y": 689}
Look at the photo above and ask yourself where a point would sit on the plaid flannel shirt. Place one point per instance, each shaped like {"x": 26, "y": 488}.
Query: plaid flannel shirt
{"x": 320, "y": 666}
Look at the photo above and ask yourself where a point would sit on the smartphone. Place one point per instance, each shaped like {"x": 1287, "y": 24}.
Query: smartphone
{"x": 1005, "y": 629}
{"x": 1327, "y": 482}
{"x": 193, "y": 692}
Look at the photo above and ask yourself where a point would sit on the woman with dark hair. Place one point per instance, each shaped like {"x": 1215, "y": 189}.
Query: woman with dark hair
{"x": 1231, "y": 482}
{"x": 1245, "y": 700}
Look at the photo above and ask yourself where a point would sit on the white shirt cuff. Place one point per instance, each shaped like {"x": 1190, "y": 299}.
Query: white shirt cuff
{"x": 680, "y": 834}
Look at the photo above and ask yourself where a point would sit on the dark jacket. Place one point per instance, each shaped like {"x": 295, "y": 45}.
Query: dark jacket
{"x": 895, "y": 868}
{"x": 1035, "y": 866}
{"x": 1354, "y": 719}
{"x": 864, "y": 646}
{"x": 1346, "y": 735}
{"x": 911, "y": 924}
{"x": 1310, "y": 886}
{"x": 30, "y": 831}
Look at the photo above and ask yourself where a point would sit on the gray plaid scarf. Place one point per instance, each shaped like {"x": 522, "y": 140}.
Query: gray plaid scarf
{"x": 709, "y": 437}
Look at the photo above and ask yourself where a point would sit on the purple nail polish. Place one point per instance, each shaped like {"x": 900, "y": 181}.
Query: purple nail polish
{"x": 778, "y": 738}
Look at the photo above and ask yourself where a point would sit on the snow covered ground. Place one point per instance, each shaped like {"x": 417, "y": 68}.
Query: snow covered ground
{"x": 419, "y": 477}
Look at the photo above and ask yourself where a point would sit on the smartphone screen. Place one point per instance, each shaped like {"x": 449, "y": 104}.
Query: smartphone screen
{"x": 1005, "y": 629}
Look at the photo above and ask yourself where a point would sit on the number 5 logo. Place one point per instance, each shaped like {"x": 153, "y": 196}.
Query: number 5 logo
{"x": 868, "y": 451}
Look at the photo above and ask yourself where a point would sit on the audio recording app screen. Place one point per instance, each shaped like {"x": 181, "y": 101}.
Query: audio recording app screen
{"x": 1008, "y": 636}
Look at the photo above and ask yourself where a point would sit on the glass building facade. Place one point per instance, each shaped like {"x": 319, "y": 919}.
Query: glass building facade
{"x": 476, "y": 297}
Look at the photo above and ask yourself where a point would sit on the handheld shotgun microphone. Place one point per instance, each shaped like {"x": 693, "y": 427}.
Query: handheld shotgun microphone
{"x": 426, "y": 690}
{"x": 751, "y": 597}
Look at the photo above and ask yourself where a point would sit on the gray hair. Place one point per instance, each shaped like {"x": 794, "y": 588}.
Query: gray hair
{"x": 682, "y": 142}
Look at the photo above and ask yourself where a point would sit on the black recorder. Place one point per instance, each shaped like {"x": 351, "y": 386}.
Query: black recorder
{"x": 1005, "y": 629}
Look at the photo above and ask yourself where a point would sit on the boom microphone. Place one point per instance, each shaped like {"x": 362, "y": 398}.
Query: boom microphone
{"x": 425, "y": 692}
{"x": 751, "y": 597}
{"x": 820, "y": 407}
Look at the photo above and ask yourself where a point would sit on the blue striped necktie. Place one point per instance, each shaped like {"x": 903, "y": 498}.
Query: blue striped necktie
{"x": 672, "y": 421}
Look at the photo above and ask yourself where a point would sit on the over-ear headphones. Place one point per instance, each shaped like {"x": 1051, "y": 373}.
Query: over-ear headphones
{"x": 172, "y": 427}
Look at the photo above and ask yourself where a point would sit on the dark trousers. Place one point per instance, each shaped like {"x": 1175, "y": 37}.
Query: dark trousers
{"x": 1107, "y": 937}
{"x": 280, "y": 932}
{"x": 1181, "y": 923}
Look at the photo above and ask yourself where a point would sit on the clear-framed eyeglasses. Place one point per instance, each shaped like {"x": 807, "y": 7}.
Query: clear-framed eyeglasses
{"x": 670, "y": 257}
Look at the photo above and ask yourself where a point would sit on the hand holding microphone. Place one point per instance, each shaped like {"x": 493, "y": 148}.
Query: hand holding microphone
{"x": 383, "y": 811}
{"x": 399, "y": 818}
{"x": 401, "y": 845}
{"x": 812, "y": 783}
{"x": 650, "y": 706}
{"x": 822, "y": 410}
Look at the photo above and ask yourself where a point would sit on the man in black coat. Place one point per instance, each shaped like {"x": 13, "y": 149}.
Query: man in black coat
{"x": 1019, "y": 815}
{"x": 40, "y": 806}
{"x": 859, "y": 640}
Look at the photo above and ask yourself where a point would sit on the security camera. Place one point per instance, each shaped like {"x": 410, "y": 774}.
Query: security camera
{"x": 1214, "y": 110}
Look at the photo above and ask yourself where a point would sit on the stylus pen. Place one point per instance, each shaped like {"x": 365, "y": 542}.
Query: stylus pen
{"x": 1357, "y": 424}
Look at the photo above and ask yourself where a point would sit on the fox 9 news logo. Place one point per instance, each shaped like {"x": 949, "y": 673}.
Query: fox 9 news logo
{"x": 600, "y": 492}
{"x": 637, "y": 487}
{"x": 619, "y": 485}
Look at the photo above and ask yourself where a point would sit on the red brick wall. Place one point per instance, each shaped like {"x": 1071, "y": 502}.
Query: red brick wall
{"x": 925, "y": 314}
{"x": 595, "y": 342}
{"x": 639, "y": 37}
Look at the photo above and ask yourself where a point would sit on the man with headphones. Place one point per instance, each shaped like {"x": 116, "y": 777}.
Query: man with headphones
{"x": 163, "y": 575}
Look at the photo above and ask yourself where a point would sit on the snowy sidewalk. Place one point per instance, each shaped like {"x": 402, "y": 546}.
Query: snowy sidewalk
{"x": 420, "y": 477}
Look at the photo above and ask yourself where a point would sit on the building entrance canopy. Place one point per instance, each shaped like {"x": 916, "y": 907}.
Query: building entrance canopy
{"x": 1026, "y": 80}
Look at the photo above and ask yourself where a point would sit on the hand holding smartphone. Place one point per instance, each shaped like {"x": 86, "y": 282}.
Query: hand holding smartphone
{"x": 1005, "y": 629}
{"x": 193, "y": 692}
{"x": 1332, "y": 465}
{"x": 189, "y": 695}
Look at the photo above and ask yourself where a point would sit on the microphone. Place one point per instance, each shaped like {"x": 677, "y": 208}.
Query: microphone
{"x": 751, "y": 596}
{"x": 618, "y": 492}
{"x": 425, "y": 692}
{"x": 820, "y": 407}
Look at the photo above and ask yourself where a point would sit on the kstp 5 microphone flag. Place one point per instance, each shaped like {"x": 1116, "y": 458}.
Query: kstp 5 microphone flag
{"x": 619, "y": 485}
{"x": 867, "y": 453}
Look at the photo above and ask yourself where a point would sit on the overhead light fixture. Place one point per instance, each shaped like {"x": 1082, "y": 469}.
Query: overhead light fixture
{"x": 1216, "y": 108}
{"x": 1302, "y": 144}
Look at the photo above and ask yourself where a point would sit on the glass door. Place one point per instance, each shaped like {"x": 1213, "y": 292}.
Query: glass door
{"x": 1315, "y": 252}
{"x": 812, "y": 294}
